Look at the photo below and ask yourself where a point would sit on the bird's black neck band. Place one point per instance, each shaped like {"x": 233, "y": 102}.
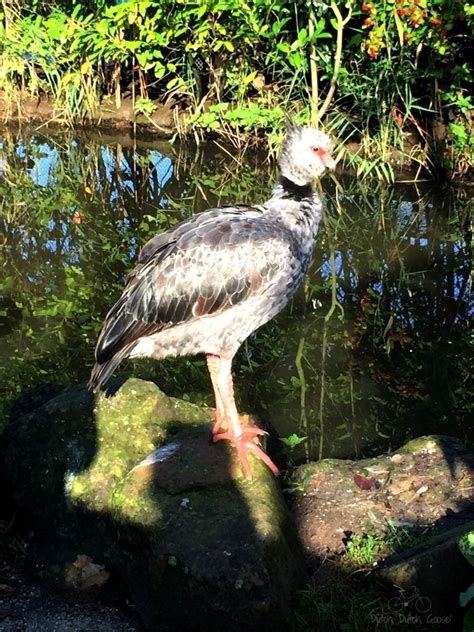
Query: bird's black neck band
{"x": 286, "y": 188}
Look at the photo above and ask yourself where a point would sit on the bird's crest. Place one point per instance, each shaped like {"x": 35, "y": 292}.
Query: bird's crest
{"x": 292, "y": 127}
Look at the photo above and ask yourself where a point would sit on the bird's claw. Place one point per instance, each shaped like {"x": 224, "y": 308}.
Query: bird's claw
{"x": 247, "y": 443}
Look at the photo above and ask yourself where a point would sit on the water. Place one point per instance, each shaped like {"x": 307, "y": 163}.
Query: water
{"x": 372, "y": 351}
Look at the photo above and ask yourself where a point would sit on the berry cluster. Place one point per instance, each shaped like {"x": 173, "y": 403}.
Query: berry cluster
{"x": 409, "y": 21}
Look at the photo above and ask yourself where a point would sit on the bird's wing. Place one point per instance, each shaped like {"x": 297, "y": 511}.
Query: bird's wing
{"x": 160, "y": 244}
{"x": 202, "y": 267}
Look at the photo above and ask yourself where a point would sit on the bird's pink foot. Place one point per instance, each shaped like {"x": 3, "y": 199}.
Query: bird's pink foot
{"x": 247, "y": 443}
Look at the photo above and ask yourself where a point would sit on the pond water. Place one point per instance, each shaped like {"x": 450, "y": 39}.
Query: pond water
{"x": 374, "y": 349}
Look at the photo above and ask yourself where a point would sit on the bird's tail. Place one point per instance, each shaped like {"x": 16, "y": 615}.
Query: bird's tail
{"x": 101, "y": 372}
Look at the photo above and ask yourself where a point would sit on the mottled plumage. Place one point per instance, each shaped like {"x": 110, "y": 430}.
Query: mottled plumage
{"x": 206, "y": 284}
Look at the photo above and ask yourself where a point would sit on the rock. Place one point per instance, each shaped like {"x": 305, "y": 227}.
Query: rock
{"x": 42, "y": 444}
{"x": 428, "y": 481}
{"x": 228, "y": 554}
{"x": 72, "y": 449}
{"x": 85, "y": 575}
{"x": 435, "y": 569}
{"x": 128, "y": 426}
{"x": 129, "y": 482}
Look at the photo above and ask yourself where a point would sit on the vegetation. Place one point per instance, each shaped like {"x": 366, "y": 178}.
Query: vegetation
{"x": 394, "y": 76}
{"x": 345, "y": 602}
{"x": 346, "y": 595}
{"x": 366, "y": 550}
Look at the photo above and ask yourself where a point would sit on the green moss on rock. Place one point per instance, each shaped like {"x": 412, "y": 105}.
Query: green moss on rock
{"x": 135, "y": 475}
{"x": 202, "y": 525}
{"x": 130, "y": 425}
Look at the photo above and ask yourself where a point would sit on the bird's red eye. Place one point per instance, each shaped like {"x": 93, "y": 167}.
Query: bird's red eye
{"x": 316, "y": 149}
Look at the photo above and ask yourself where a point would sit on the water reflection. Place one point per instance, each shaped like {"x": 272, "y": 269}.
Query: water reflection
{"x": 373, "y": 349}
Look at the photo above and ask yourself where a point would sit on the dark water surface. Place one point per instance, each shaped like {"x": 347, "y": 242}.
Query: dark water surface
{"x": 373, "y": 350}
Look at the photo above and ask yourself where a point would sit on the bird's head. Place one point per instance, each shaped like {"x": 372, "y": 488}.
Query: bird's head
{"x": 305, "y": 154}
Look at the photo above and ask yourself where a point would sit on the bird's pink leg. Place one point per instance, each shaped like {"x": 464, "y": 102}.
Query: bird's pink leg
{"x": 213, "y": 364}
{"x": 242, "y": 436}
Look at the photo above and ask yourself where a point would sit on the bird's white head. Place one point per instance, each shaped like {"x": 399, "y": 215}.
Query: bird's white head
{"x": 305, "y": 154}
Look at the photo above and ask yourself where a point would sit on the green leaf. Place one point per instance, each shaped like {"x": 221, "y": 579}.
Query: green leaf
{"x": 292, "y": 440}
{"x": 466, "y": 546}
{"x": 172, "y": 82}
{"x": 302, "y": 36}
{"x": 400, "y": 29}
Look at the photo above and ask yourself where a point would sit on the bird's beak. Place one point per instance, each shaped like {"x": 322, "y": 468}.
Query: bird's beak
{"x": 328, "y": 161}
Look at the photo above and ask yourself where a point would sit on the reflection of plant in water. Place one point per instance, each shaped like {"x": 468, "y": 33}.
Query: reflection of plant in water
{"x": 392, "y": 366}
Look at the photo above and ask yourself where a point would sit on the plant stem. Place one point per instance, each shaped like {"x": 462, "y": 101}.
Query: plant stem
{"x": 334, "y": 303}
{"x": 313, "y": 66}
{"x": 341, "y": 22}
{"x": 302, "y": 380}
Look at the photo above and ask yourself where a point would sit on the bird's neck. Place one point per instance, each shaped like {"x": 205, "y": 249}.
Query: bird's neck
{"x": 298, "y": 207}
{"x": 287, "y": 189}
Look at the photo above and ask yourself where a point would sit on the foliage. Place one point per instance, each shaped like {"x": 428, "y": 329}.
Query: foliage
{"x": 363, "y": 550}
{"x": 143, "y": 105}
{"x": 395, "y": 73}
{"x": 384, "y": 361}
{"x": 292, "y": 441}
{"x": 367, "y": 549}
{"x": 342, "y": 601}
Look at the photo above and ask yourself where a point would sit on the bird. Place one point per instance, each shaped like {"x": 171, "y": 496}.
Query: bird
{"x": 207, "y": 283}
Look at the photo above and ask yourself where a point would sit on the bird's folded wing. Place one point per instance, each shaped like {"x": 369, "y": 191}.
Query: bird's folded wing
{"x": 200, "y": 270}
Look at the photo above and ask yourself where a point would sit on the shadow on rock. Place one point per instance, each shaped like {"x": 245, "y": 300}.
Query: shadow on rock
{"x": 130, "y": 481}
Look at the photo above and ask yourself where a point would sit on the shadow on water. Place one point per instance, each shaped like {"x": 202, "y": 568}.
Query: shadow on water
{"x": 391, "y": 364}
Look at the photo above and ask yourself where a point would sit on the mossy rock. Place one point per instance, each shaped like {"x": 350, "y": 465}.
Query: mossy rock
{"x": 131, "y": 479}
{"x": 216, "y": 551}
{"x": 138, "y": 418}
{"x": 75, "y": 447}
{"x": 429, "y": 481}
